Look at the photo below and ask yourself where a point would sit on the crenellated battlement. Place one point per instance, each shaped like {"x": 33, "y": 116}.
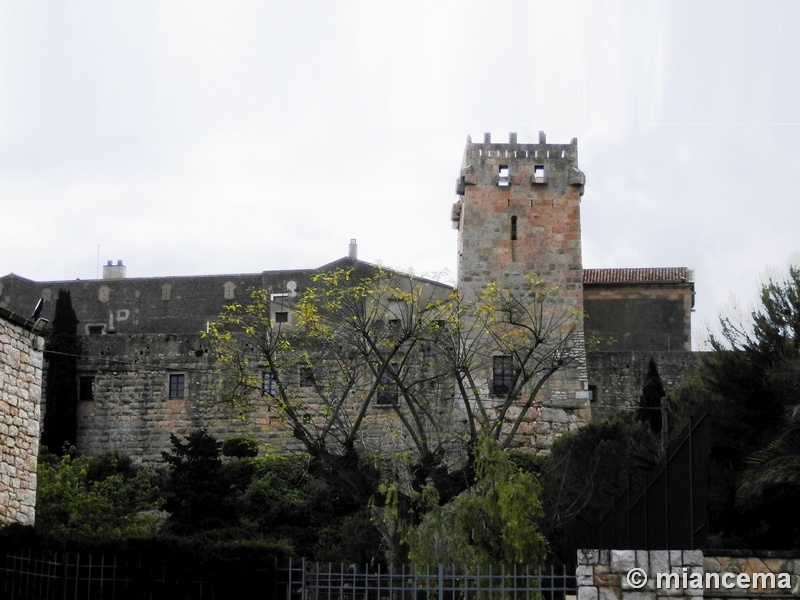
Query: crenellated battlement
{"x": 514, "y": 164}
{"x": 513, "y": 149}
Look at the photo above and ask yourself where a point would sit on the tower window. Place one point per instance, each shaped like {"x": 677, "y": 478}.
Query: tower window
{"x": 502, "y": 375}
{"x": 538, "y": 174}
{"x": 282, "y": 317}
{"x": 514, "y": 228}
{"x": 503, "y": 177}
{"x": 177, "y": 384}
{"x": 269, "y": 384}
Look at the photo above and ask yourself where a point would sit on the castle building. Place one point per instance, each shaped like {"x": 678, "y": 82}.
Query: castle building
{"x": 145, "y": 365}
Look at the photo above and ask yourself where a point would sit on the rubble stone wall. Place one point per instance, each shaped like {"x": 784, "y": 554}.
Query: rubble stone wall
{"x": 20, "y": 394}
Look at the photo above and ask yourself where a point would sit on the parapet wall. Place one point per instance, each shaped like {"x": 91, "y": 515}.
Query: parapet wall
{"x": 20, "y": 394}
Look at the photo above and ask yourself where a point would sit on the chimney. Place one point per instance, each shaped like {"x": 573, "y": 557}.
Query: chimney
{"x": 352, "y": 251}
{"x": 112, "y": 271}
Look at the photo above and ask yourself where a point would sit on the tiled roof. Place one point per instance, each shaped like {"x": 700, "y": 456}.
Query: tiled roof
{"x": 645, "y": 275}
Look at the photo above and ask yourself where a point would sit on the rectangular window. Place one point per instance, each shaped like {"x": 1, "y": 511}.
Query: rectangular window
{"x": 268, "y": 384}
{"x": 86, "y": 388}
{"x": 95, "y": 329}
{"x": 502, "y": 375}
{"x": 538, "y": 174}
{"x": 176, "y": 385}
{"x": 306, "y": 377}
{"x": 387, "y": 390}
{"x": 504, "y": 176}
{"x": 281, "y": 317}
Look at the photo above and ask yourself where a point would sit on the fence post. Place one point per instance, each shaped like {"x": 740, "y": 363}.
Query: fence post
{"x": 303, "y": 580}
{"x": 441, "y": 581}
{"x": 64, "y": 567}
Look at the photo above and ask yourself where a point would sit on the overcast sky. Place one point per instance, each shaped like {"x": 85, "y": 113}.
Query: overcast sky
{"x": 187, "y": 139}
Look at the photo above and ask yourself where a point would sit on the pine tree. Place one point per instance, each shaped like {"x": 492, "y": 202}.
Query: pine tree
{"x": 60, "y": 426}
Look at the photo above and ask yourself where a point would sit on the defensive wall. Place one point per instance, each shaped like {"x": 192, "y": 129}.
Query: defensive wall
{"x": 20, "y": 393}
{"x": 617, "y": 377}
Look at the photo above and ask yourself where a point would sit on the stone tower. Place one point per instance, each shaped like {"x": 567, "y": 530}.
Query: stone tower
{"x": 519, "y": 215}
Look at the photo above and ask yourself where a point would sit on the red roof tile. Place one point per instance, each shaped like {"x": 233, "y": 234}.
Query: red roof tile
{"x": 644, "y": 275}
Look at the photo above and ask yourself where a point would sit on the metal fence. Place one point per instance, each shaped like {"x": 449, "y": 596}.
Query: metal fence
{"x": 47, "y": 575}
{"x": 670, "y": 513}
{"x": 327, "y": 581}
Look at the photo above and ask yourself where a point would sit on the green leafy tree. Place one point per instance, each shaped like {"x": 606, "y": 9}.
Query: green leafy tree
{"x": 102, "y": 498}
{"x": 60, "y": 422}
{"x": 494, "y": 522}
{"x": 368, "y": 337}
{"x": 367, "y": 367}
{"x": 585, "y": 471}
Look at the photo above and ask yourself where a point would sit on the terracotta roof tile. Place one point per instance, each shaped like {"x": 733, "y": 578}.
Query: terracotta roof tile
{"x": 642, "y": 275}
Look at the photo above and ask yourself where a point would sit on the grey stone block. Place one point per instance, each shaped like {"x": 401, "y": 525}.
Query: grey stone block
{"x": 587, "y": 593}
{"x": 623, "y": 561}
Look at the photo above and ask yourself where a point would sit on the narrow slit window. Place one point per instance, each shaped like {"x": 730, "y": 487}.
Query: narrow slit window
{"x": 503, "y": 177}
{"x": 513, "y": 228}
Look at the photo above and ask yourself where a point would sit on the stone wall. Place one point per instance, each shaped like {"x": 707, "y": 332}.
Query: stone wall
{"x": 679, "y": 574}
{"x": 20, "y": 394}
{"x": 616, "y": 378}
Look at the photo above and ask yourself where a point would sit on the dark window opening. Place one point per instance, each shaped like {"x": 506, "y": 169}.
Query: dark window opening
{"x": 176, "y": 385}
{"x": 502, "y": 375}
{"x": 86, "y": 388}
{"x": 95, "y": 329}
{"x": 281, "y": 317}
{"x": 306, "y": 377}
{"x": 514, "y": 228}
{"x": 387, "y": 390}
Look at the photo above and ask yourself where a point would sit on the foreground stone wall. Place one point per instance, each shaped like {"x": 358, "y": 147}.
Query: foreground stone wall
{"x": 20, "y": 394}
{"x": 621, "y": 574}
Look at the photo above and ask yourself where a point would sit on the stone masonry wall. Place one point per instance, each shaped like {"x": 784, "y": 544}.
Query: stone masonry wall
{"x": 20, "y": 393}
{"x": 609, "y": 575}
{"x": 616, "y": 378}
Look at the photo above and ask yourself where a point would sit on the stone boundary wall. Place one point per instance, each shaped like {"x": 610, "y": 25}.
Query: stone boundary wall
{"x": 603, "y": 574}
{"x": 20, "y": 394}
{"x": 617, "y": 377}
